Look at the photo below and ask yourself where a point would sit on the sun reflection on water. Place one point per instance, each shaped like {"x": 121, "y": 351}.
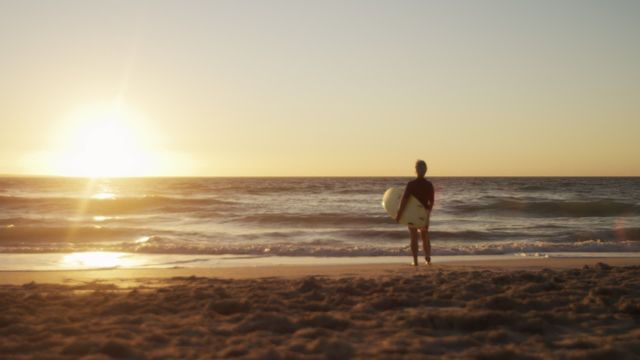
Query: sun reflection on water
{"x": 142, "y": 239}
{"x": 95, "y": 259}
{"x": 104, "y": 196}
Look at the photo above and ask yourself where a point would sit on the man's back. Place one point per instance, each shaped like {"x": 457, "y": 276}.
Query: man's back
{"x": 421, "y": 189}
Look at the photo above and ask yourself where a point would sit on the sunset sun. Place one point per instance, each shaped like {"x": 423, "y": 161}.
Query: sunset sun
{"x": 104, "y": 142}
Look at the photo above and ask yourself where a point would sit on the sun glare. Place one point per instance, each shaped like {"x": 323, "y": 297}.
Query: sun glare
{"x": 104, "y": 142}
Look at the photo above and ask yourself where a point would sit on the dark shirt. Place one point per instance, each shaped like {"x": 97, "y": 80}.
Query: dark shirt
{"x": 421, "y": 189}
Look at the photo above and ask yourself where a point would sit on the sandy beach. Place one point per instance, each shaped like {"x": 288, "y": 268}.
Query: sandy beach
{"x": 256, "y": 180}
{"x": 527, "y": 309}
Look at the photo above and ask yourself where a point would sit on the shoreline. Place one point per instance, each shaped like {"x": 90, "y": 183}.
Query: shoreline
{"x": 107, "y": 259}
{"x": 131, "y": 277}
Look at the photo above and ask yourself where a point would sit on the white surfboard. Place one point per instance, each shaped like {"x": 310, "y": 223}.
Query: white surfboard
{"x": 414, "y": 213}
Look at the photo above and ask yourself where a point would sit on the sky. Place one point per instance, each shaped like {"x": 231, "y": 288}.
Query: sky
{"x": 320, "y": 88}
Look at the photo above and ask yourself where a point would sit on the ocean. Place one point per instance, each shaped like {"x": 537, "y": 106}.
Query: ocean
{"x": 316, "y": 216}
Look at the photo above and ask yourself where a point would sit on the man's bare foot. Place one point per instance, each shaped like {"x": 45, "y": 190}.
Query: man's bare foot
{"x": 427, "y": 259}
{"x": 414, "y": 263}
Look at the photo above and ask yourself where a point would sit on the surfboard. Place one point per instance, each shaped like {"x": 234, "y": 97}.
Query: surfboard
{"x": 414, "y": 214}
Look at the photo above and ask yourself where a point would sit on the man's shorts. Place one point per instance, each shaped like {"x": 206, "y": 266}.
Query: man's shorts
{"x": 423, "y": 228}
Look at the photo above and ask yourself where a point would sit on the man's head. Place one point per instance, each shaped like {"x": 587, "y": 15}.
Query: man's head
{"x": 421, "y": 168}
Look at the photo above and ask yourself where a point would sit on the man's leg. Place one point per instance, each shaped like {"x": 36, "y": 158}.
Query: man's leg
{"x": 426, "y": 244}
{"x": 414, "y": 244}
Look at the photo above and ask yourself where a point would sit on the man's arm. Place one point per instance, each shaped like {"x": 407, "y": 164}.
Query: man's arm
{"x": 431, "y": 199}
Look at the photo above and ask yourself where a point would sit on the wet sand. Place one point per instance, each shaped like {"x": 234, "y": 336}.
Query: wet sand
{"x": 527, "y": 309}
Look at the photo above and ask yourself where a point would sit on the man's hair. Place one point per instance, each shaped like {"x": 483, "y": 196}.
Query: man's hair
{"x": 421, "y": 166}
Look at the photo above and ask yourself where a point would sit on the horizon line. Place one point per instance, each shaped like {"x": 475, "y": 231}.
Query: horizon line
{"x": 304, "y": 176}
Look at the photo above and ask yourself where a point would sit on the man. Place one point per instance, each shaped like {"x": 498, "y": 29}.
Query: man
{"x": 421, "y": 189}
